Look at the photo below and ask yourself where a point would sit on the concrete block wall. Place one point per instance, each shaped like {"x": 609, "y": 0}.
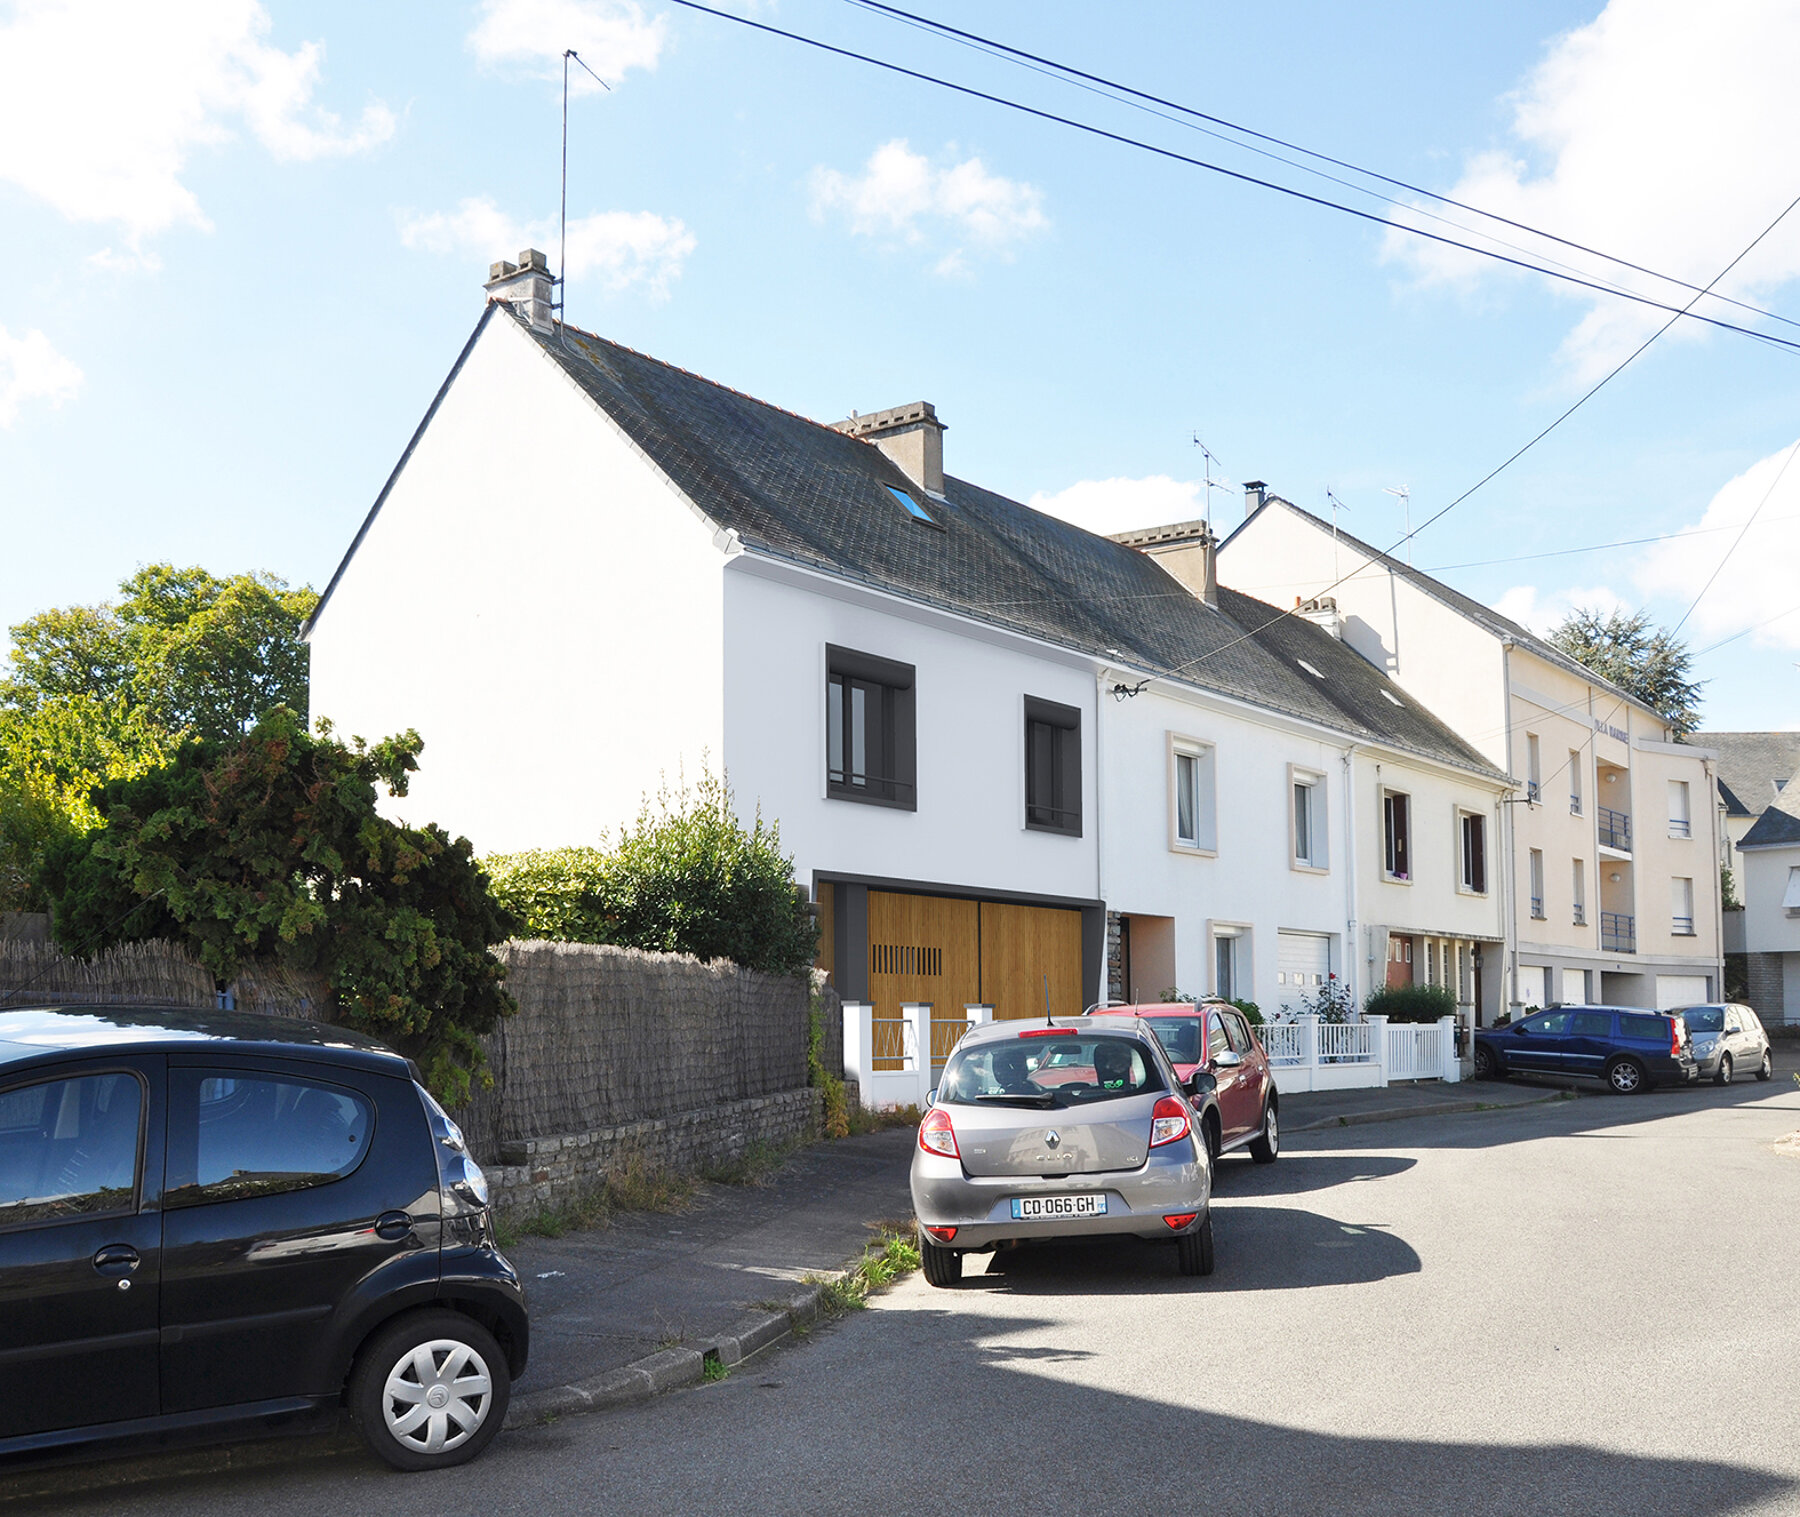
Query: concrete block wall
{"x": 1767, "y": 993}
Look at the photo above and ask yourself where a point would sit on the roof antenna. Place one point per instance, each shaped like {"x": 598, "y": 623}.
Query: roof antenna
{"x": 1336, "y": 506}
{"x": 562, "y": 251}
{"x": 1211, "y": 463}
{"x": 1404, "y": 496}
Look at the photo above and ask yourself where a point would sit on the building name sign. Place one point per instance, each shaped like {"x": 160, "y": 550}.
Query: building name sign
{"x": 1611, "y": 731}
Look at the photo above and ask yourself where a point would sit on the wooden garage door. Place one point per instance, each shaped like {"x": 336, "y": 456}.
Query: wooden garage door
{"x": 1030, "y": 958}
{"x": 921, "y": 948}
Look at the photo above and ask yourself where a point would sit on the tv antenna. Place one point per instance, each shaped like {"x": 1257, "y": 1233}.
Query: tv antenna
{"x": 1212, "y": 463}
{"x": 1336, "y": 506}
{"x": 562, "y": 248}
{"x": 1404, "y": 496}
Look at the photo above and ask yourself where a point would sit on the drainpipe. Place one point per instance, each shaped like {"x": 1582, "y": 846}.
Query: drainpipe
{"x": 1100, "y": 824}
{"x": 1712, "y": 791}
{"x": 1509, "y": 917}
{"x": 1352, "y": 928}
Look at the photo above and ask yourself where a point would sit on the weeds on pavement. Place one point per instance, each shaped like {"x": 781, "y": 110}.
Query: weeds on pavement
{"x": 863, "y": 1120}
{"x": 633, "y": 1184}
{"x": 892, "y": 1253}
{"x": 754, "y": 1166}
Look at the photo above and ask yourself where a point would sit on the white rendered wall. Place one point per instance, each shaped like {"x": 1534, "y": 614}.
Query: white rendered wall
{"x": 1248, "y": 881}
{"x": 969, "y": 829}
{"x": 538, "y": 604}
{"x": 1767, "y": 926}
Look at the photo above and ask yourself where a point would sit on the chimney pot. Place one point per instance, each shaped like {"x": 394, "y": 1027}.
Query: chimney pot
{"x": 1255, "y": 493}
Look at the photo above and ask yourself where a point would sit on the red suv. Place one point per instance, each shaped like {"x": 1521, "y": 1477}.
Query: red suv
{"x": 1213, "y": 1036}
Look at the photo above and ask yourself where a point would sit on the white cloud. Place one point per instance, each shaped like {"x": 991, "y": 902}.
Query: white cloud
{"x": 103, "y": 101}
{"x": 1759, "y": 579}
{"x": 1656, "y": 132}
{"x": 611, "y": 36}
{"x": 1541, "y": 610}
{"x": 30, "y": 369}
{"x": 902, "y": 194}
{"x": 623, "y": 248}
{"x": 1122, "y": 505}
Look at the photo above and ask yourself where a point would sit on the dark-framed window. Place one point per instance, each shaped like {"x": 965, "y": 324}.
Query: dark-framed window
{"x": 871, "y": 748}
{"x": 1052, "y": 767}
{"x": 1396, "y": 820}
{"x": 1474, "y": 853}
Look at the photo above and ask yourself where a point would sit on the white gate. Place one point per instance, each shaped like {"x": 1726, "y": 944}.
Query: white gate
{"x": 1422, "y": 1051}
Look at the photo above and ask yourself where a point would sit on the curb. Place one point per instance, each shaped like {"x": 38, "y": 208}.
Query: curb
{"x": 668, "y": 1370}
{"x": 1436, "y": 1109}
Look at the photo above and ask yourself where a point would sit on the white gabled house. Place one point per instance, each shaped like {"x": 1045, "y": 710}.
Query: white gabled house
{"x": 1608, "y": 862}
{"x": 1018, "y": 765}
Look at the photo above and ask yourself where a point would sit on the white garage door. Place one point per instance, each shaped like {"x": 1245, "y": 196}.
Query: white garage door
{"x": 1679, "y": 990}
{"x": 1302, "y": 961}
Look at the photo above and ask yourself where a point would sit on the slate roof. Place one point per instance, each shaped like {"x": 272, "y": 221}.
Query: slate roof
{"x": 1751, "y": 766}
{"x": 1780, "y": 821}
{"x": 1483, "y": 616}
{"x": 797, "y": 490}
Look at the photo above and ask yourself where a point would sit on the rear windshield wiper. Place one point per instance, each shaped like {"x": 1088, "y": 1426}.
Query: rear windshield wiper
{"x": 1033, "y": 1098}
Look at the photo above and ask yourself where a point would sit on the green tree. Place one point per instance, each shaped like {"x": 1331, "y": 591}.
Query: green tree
{"x": 270, "y": 846}
{"x": 687, "y": 877}
{"x": 194, "y": 654}
{"x": 1649, "y": 662}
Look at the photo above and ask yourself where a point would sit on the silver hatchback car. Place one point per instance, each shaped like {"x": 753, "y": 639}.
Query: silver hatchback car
{"x": 1728, "y": 1040}
{"x": 1077, "y": 1128}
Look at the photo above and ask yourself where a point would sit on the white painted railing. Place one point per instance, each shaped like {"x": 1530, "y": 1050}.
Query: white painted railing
{"x": 1349, "y": 1043}
{"x": 883, "y": 1054}
{"x": 1281, "y": 1042}
{"x": 1423, "y": 1051}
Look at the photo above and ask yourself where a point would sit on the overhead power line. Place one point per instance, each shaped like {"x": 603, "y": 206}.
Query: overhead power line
{"x": 1268, "y": 184}
{"x": 1099, "y": 84}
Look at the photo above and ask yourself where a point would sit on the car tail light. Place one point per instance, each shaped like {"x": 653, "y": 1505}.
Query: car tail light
{"x": 1180, "y": 1219}
{"x": 943, "y": 1234}
{"x": 1675, "y": 1037}
{"x": 937, "y": 1136}
{"x": 1169, "y": 1121}
{"x": 460, "y": 1179}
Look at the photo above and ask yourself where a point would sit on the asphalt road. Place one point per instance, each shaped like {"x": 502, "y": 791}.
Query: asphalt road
{"x": 1583, "y": 1307}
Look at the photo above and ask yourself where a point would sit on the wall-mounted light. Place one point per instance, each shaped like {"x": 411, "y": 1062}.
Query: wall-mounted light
{"x": 1615, "y": 877}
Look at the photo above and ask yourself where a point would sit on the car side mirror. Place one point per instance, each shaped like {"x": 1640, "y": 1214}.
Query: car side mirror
{"x": 1202, "y": 1084}
{"x": 931, "y": 1098}
{"x": 1519, "y": 1031}
{"x": 1227, "y": 1058}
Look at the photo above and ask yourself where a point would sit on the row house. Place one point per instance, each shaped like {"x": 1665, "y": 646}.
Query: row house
{"x": 1761, "y": 849}
{"x": 1610, "y": 851}
{"x": 1017, "y": 764}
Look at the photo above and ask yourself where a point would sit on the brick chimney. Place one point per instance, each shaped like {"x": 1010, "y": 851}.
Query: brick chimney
{"x": 526, "y": 286}
{"x": 1187, "y": 549}
{"x": 912, "y": 436}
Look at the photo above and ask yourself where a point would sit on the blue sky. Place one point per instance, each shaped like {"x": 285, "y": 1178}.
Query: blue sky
{"x": 245, "y": 242}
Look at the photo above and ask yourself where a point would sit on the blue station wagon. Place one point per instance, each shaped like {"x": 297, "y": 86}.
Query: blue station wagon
{"x": 1627, "y": 1047}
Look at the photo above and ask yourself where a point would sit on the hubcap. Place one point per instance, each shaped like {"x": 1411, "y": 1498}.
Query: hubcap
{"x": 437, "y": 1396}
{"x": 1270, "y": 1131}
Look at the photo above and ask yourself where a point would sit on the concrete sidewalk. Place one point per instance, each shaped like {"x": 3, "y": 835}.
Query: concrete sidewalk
{"x": 636, "y": 1307}
{"x": 1307, "y": 1111}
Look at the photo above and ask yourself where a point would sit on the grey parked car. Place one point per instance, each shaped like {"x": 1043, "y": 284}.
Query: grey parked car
{"x": 1728, "y": 1039}
{"x": 1071, "y": 1129}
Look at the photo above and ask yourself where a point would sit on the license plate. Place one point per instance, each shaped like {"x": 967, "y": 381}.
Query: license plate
{"x": 1046, "y": 1208}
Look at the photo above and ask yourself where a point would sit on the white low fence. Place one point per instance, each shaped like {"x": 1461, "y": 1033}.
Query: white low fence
{"x": 883, "y": 1054}
{"x": 1308, "y": 1054}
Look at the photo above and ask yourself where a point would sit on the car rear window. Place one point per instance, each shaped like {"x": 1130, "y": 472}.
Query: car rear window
{"x": 1049, "y": 1072}
{"x": 1651, "y": 1028}
{"x": 1701, "y": 1018}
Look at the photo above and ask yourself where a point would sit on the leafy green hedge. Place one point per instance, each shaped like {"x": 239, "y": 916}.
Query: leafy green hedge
{"x": 1411, "y": 1003}
{"x": 687, "y": 877}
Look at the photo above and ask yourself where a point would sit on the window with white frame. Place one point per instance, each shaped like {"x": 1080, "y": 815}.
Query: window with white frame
{"x": 1680, "y": 821}
{"x": 1307, "y": 790}
{"x": 1193, "y": 802}
{"x": 1574, "y": 783}
{"x": 1534, "y": 768}
{"x": 1229, "y": 970}
{"x": 1790, "y": 903}
{"x": 1396, "y": 830}
{"x": 1578, "y": 880}
{"x": 1681, "y": 907}
{"x": 1537, "y": 882}
{"x": 1472, "y": 826}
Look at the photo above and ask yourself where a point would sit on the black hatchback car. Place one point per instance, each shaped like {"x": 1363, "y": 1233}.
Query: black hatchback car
{"x": 215, "y": 1224}
{"x": 1629, "y": 1048}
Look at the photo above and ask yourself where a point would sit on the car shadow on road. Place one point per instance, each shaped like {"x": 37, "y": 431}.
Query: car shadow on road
{"x": 1299, "y": 1171}
{"x": 1257, "y": 1248}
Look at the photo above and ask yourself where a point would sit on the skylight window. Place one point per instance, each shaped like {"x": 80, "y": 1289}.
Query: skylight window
{"x": 1309, "y": 668}
{"x": 1395, "y": 699}
{"x": 912, "y": 508}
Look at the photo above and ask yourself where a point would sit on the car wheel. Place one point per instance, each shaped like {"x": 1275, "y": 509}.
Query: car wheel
{"x": 1209, "y": 1126}
{"x": 1626, "y": 1077}
{"x": 1766, "y": 1069}
{"x": 1267, "y": 1148}
{"x": 1194, "y": 1251}
{"x": 1722, "y": 1075}
{"x": 1487, "y": 1067}
{"x": 941, "y": 1266}
{"x": 430, "y": 1391}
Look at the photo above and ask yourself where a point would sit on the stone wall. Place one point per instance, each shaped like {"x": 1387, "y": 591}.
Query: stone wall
{"x": 1767, "y": 996}
{"x": 535, "y": 1174}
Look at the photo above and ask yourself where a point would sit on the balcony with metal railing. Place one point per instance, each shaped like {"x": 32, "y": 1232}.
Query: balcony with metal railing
{"x": 1537, "y": 907}
{"x": 1580, "y": 915}
{"x": 1683, "y": 927}
{"x": 1618, "y": 932}
{"x": 1615, "y": 829}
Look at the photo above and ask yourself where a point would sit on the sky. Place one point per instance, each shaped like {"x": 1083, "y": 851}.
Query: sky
{"x": 244, "y": 242}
